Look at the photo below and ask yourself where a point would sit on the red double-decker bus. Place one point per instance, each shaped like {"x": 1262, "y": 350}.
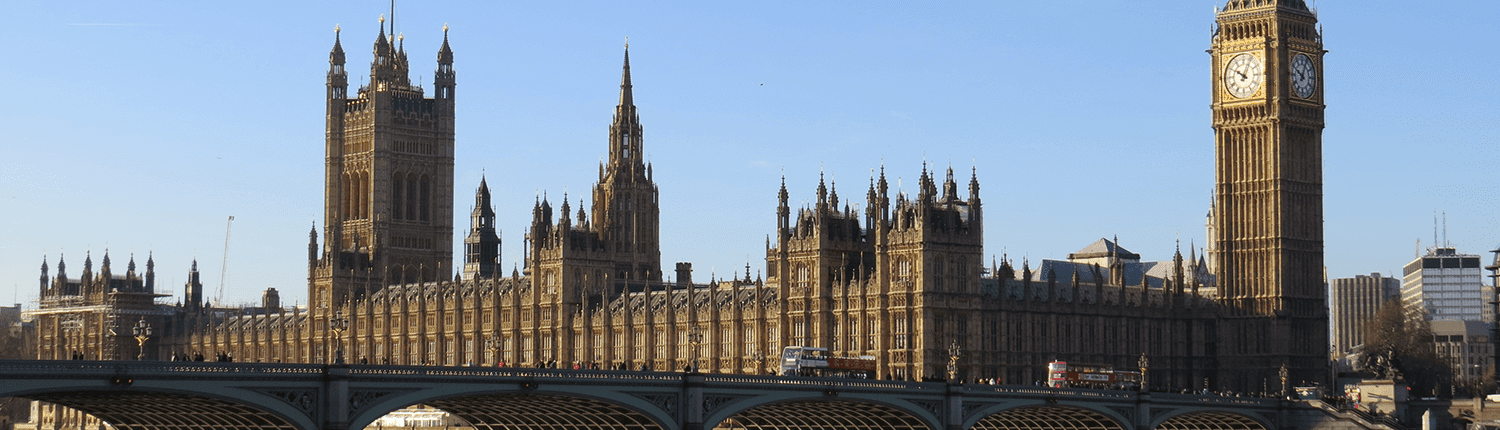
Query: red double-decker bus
{"x": 1061, "y": 374}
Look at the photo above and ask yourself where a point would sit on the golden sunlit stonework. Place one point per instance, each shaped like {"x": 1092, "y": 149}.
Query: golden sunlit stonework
{"x": 902, "y": 279}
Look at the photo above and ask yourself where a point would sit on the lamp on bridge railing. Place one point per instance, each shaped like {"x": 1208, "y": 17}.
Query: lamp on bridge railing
{"x": 759, "y": 359}
{"x": 696, "y": 338}
{"x": 338, "y": 324}
{"x": 1145, "y": 364}
{"x": 1283, "y": 373}
{"x": 142, "y": 333}
{"x": 954, "y": 352}
{"x": 493, "y": 345}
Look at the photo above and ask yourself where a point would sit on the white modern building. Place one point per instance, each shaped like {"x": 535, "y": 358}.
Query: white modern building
{"x": 1448, "y": 286}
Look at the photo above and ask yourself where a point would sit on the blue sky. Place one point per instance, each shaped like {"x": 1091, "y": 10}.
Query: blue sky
{"x": 141, "y": 126}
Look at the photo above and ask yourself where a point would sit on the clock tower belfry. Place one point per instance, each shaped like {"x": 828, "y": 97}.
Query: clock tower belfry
{"x": 1267, "y": 63}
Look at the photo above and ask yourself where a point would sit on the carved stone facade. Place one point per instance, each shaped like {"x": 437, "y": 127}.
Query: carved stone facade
{"x": 902, "y": 280}
{"x": 1267, "y": 243}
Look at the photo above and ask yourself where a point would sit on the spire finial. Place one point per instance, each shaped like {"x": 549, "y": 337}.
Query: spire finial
{"x": 445, "y": 29}
{"x": 336, "y": 30}
{"x": 626, "y": 96}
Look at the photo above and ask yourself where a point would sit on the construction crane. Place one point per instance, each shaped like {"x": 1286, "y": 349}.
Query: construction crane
{"x": 224, "y": 265}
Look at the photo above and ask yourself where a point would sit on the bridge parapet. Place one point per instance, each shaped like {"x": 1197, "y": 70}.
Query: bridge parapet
{"x": 347, "y": 397}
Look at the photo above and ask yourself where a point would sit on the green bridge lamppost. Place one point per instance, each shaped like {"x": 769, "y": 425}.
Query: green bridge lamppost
{"x": 493, "y": 345}
{"x": 142, "y": 333}
{"x": 1145, "y": 364}
{"x": 954, "y": 352}
{"x": 338, "y": 324}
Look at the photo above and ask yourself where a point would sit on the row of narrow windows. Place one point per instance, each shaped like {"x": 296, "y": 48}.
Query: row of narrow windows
{"x": 411, "y": 196}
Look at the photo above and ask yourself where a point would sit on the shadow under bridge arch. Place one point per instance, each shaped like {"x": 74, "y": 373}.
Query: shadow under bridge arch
{"x": 1047, "y": 418}
{"x": 822, "y": 414}
{"x": 168, "y": 411}
{"x": 542, "y": 411}
{"x": 1211, "y": 420}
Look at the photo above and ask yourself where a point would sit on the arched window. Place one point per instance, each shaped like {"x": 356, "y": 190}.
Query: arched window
{"x": 803, "y": 275}
{"x": 903, "y": 270}
{"x": 364, "y": 195}
{"x": 411, "y": 196}
{"x": 939, "y": 272}
{"x": 397, "y": 188}
{"x": 425, "y": 205}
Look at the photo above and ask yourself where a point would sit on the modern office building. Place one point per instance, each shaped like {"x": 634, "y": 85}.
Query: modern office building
{"x": 1351, "y": 304}
{"x": 1448, "y": 286}
{"x": 1466, "y": 347}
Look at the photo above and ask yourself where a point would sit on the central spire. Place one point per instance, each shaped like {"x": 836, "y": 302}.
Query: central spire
{"x": 626, "y": 98}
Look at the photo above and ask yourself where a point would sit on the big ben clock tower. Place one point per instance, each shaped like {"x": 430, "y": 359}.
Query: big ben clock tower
{"x": 1268, "y": 196}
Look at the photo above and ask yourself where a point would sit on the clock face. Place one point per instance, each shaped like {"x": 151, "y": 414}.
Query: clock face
{"x": 1243, "y": 75}
{"x": 1304, "y": 76}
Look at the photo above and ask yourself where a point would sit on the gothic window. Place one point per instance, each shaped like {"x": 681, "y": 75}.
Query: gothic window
{"x": 528, "y": 350}
{"x": 398, "y": 186}
{"x": 578, "y": 347}
{"x": 411, "y": 196}
{"x": 898, "y": 329}
{"x": 425, "y": 207}
{"x": 619, "y": 345}
{"x": 549, "y": 282}
{"x": 682, "y": 343}
{"x": 870, "y": 330}
{"x": 799, "y": 331}
{"x": 640, "y": 344}
{"x": 854, "y": 335}
{"x": 726, "y": 341}
{"x": 833, "y": 329}
{"x": 903, "y": 271}
{"x": 803, "y": 275}
{"x": 749, "y": 340}
{"x": 940, "y": 271}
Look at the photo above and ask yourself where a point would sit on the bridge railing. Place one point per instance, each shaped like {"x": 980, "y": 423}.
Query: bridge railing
{"x": 69, "y": 367}
{"x": 508, "y": 372}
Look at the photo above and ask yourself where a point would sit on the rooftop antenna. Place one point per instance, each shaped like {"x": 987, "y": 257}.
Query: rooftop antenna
{"x": 1445, "y": 231}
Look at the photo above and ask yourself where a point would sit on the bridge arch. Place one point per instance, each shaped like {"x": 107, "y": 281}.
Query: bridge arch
{"x": 155, "y": 408}
{"x": 821, "y": 413}
{"x": 1212, "y": 420}
{"x": 1047, "y": 417}
{"x": 519, "y": 409}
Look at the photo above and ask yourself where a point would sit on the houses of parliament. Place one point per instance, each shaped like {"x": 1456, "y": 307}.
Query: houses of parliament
{"x": 904, "y": 280}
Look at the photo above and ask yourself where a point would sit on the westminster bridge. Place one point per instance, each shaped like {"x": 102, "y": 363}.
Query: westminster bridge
{"x": 213, "y": 395}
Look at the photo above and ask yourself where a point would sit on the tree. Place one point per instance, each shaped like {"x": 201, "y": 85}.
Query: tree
{"x": 1403, "y": 341}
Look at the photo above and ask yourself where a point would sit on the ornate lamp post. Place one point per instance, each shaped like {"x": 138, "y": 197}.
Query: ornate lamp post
{"x": 954, "y": 352}
{"x": 338, "y": 324}
{"x": 1145, "y": 364}
{"x": 760, "y": 362}
{"x": 1283, "y": 374}
{"x": 696, "y": 338}
{"x": 492, "y": 344}
{"x": 142, "y": 333}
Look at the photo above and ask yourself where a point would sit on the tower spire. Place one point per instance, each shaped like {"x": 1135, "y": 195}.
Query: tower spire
{"x": 626, "y": 96}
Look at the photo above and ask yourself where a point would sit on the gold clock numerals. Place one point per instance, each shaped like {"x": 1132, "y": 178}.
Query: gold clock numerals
{"x": 1243, "y": 75}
